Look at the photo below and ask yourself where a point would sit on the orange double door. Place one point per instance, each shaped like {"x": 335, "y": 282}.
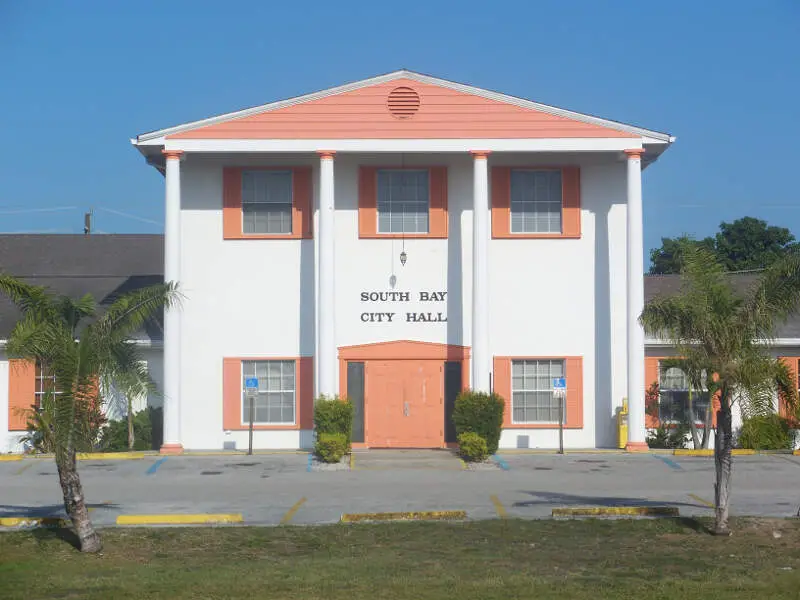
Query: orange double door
{"x": 404, "y": 403}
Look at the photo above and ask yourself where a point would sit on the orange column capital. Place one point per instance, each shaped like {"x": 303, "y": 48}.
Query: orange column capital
{"x": 326, "y": 154}
{"x": 480, "y": 153}
{"x": 634, "y": 153}
{"x": 172, "y": 154}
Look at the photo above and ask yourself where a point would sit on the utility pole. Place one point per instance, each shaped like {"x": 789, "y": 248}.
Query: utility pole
{"x": 87, "y": 222}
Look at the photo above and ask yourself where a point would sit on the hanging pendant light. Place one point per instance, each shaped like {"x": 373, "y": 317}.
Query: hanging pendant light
{"x": 403, "y": 258}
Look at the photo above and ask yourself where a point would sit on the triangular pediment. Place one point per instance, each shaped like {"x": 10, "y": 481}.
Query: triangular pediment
{"x": 402, "y": 105}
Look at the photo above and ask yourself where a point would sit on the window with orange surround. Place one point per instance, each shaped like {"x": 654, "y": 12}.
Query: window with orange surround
{"x": 285, "y": 397}
{"x": 528, "y": 392}
{"x": 402, "y": 202}
{"x": 267, "y": 203}
{"x": 536, "y": 202}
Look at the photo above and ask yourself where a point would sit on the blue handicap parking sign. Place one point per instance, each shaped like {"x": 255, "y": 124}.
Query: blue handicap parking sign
{"x": 251, "y": 383}
{"x": 559, "y": 383}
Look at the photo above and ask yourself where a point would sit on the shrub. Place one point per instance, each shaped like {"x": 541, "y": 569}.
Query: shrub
{"x": 481, "y": 413}
{"x": 472, "y": 447}
{"x": 333, "y": 416}
{"x": 147, "y": 432}
{"x": 668, "y": 437}
{"x": 331, "y": 447}
{"x": 766, "y": 432}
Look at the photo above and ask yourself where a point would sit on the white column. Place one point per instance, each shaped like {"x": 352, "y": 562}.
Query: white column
{"x": 172, "y": 319}
{"x": 481, "y": 359}
{"x": 635, "y": 293}
{"x": 326, "y": 326}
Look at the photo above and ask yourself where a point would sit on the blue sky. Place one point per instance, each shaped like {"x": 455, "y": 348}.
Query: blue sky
{"x": 79, "y": 79}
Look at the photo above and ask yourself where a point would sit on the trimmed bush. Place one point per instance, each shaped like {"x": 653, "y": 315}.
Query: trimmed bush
{"x": 331, "y": 447}
{"x": 481, "y": 413}
{"x": 333, "y": 415}
{"x": 766, "y": 432}
{"x": 472, "y": 447}
{"x": 147, "y": 428}
{"x": 668, "y": 437}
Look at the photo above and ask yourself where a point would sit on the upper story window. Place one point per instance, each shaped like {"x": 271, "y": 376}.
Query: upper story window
{"x": 403, "y": 201}
{"x": 262, "y": 203}
{"x": 536, "y": 201}
{"x": 267, "y": 202}
{"x": 407, "y": 202}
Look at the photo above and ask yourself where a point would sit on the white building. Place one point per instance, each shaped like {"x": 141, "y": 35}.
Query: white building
{"x": 394, "y": 240}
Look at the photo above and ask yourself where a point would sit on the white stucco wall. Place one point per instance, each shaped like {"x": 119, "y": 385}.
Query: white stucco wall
{"x": 256, "y": 297}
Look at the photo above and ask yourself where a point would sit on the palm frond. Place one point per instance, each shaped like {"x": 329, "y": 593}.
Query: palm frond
{"x": 26, "y": 297}
{"x": 129, "y": 313}
{"x": 773, "y": 299}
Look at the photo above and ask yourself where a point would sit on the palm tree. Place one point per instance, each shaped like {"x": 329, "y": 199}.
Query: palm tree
{"x": 84, "y": 351}
{"x": 727, "y": 332}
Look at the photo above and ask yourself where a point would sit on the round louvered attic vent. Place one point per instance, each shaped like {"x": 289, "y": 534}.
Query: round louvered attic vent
{"x": 403, "y": 102}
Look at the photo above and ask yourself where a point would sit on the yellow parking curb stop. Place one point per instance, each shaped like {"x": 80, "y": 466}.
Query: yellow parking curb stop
{"x": 432, "y": 515}
{"x": 179, "y": 519}
{"x": 617, "y": 511}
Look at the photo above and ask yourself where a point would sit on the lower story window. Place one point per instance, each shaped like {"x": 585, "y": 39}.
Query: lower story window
{"x": 532, "y": 398}
{"x": 673, "y": 401}
{"x": 275, "y": 401}
{"x": 45, "y": 384}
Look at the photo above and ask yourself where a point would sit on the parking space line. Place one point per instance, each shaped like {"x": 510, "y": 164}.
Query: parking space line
{"x": 23, "y": 468}
{"x": 310, "y": 459}
{"x": 705, "y": 503}
{"x": 154, "y": 467}
{"x": 291, "y": 512}
{"x": 786, "y": 458}
{"x": 668, "y": 461}
{"x": 498, "y": 506}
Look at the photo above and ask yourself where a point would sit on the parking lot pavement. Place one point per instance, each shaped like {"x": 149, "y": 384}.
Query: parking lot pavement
{"x": 279, "y": 488}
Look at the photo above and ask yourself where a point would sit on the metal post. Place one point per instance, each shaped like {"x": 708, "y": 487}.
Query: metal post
{"x": 561, "y": 423}
{"x": 252, "y": 414}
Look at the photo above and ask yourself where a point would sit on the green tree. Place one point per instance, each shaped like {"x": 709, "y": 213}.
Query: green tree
{"x": 728, "y": 333}
{"x": 747, "y": 243}
{"x": 85, "y": 351}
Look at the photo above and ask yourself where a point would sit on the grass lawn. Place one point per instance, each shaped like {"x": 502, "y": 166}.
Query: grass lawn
{"x": 477, "y": 560}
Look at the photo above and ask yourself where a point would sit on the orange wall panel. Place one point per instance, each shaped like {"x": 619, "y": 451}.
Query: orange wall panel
{"x": 21, "y": 393}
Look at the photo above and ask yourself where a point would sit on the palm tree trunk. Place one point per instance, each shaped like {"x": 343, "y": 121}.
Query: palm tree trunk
{"x": 723, "y": 445}
{"x": 692, "y": 424}
{"x": 74, "y": 502}
{"x": 707, "y": 427}
{"x": 130, "y": 425}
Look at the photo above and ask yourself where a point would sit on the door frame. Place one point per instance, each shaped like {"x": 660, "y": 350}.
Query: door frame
{"x": 398, "y": 350}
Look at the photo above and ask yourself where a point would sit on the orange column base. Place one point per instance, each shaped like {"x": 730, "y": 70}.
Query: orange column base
{"x": 171, "y": 449}
{"x": 637, "y": 447}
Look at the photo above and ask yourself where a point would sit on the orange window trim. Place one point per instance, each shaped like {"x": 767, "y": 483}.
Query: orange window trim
{"x": 302, "y": 204}
{"x": 570, "y": 203}
{"x": 574, "y": 374}
{"x": 21, "y": 393}
{"x": 232, "y": 417}
{"x": 368, "y": 203}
